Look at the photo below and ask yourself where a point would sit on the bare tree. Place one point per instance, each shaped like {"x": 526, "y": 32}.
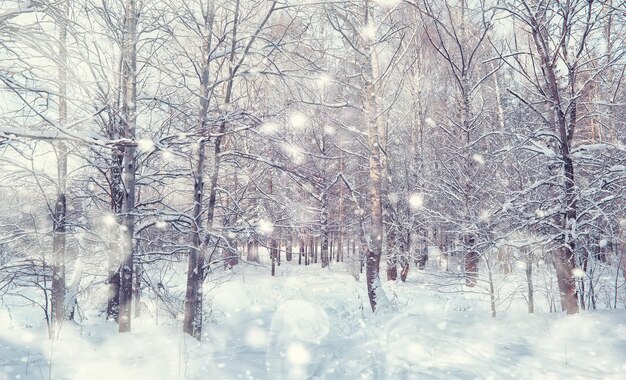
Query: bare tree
{"x": 129, "y": 122}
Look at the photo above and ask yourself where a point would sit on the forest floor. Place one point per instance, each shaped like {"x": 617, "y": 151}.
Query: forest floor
{"x": 313, "y": 323}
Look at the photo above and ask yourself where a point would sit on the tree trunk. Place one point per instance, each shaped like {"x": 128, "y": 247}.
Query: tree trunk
{"x": 471, "y": 268}
{"x": 405, "y": 248}
{"x": 307, "y": 254}
{"x": 58, "y": 263}
{"x": 113, "y": 300}
{"x": 289, "y": 250}
{"x": 339, "y": 249}
{"x": 324, "y": 233}
{"x": 492, "y": 290}
{"x": 471, "y": 262}
{"x": 339, "y": 253}
{"x": 375, "y": 127}
{"x": 564, "y": 254}
{"x": 137, "y": 291}
{"x": 529, "y": 282}
{"x": 273, "y": 254}
{"x": 392, "y": 259}
{"x": 114, "y": 252}
{"x": 404, "y": 269}
{"x": 311, "y": 250}
{"x": 231, "y": 254}
{"x": 60, "y": 208}
{"x": 331, "y": 248}
{"x": 564, "y": 265}
{"x": 129, "y": 122}
{"x": 253, "y": 252}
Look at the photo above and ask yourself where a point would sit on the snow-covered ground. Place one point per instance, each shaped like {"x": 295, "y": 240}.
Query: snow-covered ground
{"x": 313, "y": 323}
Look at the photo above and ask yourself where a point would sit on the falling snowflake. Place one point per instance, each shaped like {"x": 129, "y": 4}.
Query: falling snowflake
{"x": 297, "y": 354}
{"x": 369, "y": 31}
{"x": 294, "y": 152}
{"x": 329, "y": 130}
{"x": 265, "y": 227}
{"x": 416, "y": 201}
{"x": 109, "y": 220}
{"x": 484, "y": 215}
{"x": 256, "y": 337}
{"x": 146, "y": 145}
{"x": 298, "y": 120}
{"x": 269, "y": 128}
{"x": 478, "y": 158}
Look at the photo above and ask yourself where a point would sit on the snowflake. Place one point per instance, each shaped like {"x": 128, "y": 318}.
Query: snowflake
{"x": 478, "y": 158}
{"x": 297, "y": 354}
{"x": 369, "y": 31}
{"x": 109, "y": 220}
{"x": 146, "y": 145}
{"x": 329, "y": 130}
{"x": 265, "y": 227}
{"x": 269, "y": 128}
{"x": 298, "y": 120}
{"x": 416, "y": 201}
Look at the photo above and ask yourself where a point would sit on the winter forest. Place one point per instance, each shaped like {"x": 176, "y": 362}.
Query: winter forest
{"x": 312, "y": 189}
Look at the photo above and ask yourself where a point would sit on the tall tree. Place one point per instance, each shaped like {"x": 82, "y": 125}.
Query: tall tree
{"x": 59, "y": 229}
{"x": 129, "y": 122}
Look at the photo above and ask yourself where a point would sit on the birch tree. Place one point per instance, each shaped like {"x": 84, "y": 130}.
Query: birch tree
{"x": 560, "y": 69}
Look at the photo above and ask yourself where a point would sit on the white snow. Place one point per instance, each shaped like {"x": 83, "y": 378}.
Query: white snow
{"x": 146, "y": 145}
{"x": 306, "y": 323}
{"x": 109, "y": 220}
{"x": 478, "y": 158}
{"x": 369, "y": 31}
{"x": 269, "y": 127}
{"x": 265, "y": 227}
{"x": 298, "y": 120}
{"x": 416, "y": 201}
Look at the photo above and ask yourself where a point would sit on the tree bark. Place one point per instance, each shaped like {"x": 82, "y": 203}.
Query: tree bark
{"x": 129, "y": 168}
{"x": 137, "y": 291}
{"x": 564, "y": 259}
{"x": 289, "y": 249}
{"x": 392, "y": 259}
{"x": 273, "y": 255}
{"x": 471, "y": 262}
{"x": 375, "y": 130}
{"x": 253, "y": 252}
{"x": 324, "y": 254}
{"x": 59, "y": 216}
{"x": 117, "y": 199}
{"x": 529, "y": 282}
